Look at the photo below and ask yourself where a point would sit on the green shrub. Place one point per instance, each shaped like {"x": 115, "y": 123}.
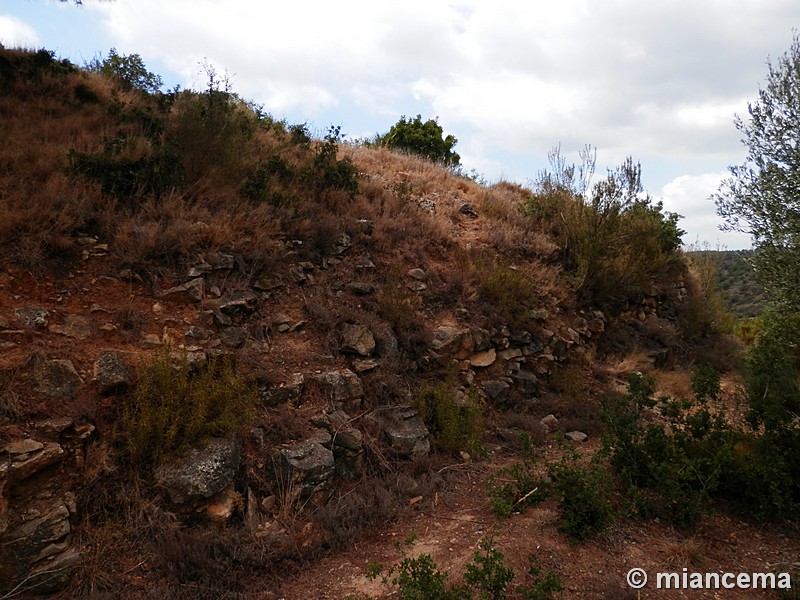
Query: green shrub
{"x": 455, "y": 422}
{"x": 544, "y": 585}
{"x": 129, "y": 69}
{"x": 420, "y": 579}
{"x": 615, "y": 239}
{"x": 423, "y": 139}
{"x": 488, "y": 573}
{"x": 173, "y": 408}
{"x": 331, "y": 173}
{"x": 585, "y": 498}
{"x": 673, "y": 470}
{"x": 514, "y": 488}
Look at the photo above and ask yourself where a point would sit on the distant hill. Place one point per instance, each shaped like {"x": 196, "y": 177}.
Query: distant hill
{"x": 737, "y": 281}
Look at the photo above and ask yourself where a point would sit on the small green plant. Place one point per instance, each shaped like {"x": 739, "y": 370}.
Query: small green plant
{"x": 419, "y": 579}
{"x": 545, "y": 585}
{"x": 514, "y": 488}
{"x": 173, "y": 408}
{"x": 488, "y": 573}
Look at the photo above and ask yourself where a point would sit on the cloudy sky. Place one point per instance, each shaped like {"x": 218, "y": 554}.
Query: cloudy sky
{"x": 659, "y": 81}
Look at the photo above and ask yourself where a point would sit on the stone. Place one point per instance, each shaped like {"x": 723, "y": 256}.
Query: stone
{"x": 468, "y": 209}
{"x": 365, "y": 264}
{"x": 342, "y": 243}
{"x": 550, "y": 421}
{"x": 356, "y": 339}
{"x": 33, "y": 317}
{"x": 221, "y": 261}
{"x": 37, "y": 550}
{"x": 238, "y": 304}
{"x": 55, "y": 574}
{"x": 509, "y": 354}
{"x": 418, "y": 274}
{"x": 363, "y": 365}
{"x": 302, "y": 470}
{"x": 221, "y": 507}
{"x": 526, "y": 380}
{"x": 359, "y": 288}
{"x": 481, "y": 339}
{"x": 483, "y": 359}
{"x": 75, "y": 326}
{"x": 233, "y": 337}
{"x": 111, "y": 374}
{"x": 343, "y": 388}
{"x": 521, "y": 338}
{"x": 576, "y": 436}
{"x": 57, "y": 379}
{"x": 385, "y": 340}
{"x": 190, "y": 292}
{"x": 405, "y": 432}
{"x": 539, "y": 314}
{"x": 496, "y": 389}
{"x": 23, "y": 446}
{"x": 451, "y": 341}
{"x": 287, "y": 392}
{"x": 201, "y": 472}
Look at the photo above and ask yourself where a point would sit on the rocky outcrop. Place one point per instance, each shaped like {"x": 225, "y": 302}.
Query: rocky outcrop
{"x": 38, "y": 508}
{"x": 201, "y": 472}
{"x": 303, "y": 471}
{"x": 403, "y": 431}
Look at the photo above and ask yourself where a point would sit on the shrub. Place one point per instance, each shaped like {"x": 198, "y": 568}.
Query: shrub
{"x": 672, "y": 470}
{"x": 615, "y": 239}
{"x": 331, "y": 172}
{"x": 129, "y": 69}
{"x": 173, "y": 408}
{"x": 585, "y": 495}
{"x": 488, "y": 573}
{"x": 455, "y": 422}
{"x": 515, "y": 488}
{"x": 544, "y": 585}
{"x": 423, "y": 139}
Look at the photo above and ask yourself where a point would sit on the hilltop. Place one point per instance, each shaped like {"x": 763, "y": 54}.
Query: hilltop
{"x": 238, "y": 361}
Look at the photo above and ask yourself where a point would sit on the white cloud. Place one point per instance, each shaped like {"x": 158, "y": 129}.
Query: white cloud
{"x": 657, "y": 80}
{"x": 690, "y": 196}
{"x": 15, "y": 33}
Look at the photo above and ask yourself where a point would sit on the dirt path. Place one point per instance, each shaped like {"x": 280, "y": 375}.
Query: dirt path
{"x": 452, "y": 530}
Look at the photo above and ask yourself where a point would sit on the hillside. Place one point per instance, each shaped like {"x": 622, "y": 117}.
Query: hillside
{"x": 240, "y": 362}
{"x": 736, "y": 281}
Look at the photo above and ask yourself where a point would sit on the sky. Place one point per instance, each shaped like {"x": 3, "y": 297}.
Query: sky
{"x": 660, "y": 81}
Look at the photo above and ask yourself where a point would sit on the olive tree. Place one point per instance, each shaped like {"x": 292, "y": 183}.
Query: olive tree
{"x": 762, "y": 196}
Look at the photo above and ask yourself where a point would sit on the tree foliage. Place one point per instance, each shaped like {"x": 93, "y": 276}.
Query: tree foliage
{"x": 129, "y": 69}
{"x": 762, "y": 196}
{"x": 424, "y": 139}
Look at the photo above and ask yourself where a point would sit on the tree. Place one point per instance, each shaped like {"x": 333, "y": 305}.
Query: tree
{"x": 424, "y": 139}
{"x": 129, "y": 69}
{"x": 762, "y": 196}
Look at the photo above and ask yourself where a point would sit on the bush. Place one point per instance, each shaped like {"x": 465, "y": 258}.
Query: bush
{"x": 488, "y": 573}
{"x": 129, "y": 69}
{"x": 585, "y": 495}
{"x": 455, "y": 422}
{"x": 173, "y": 408}
{"x": 423, "y": 139}
{"x": 515, "y": 488}
{"x": 615, "y": 239}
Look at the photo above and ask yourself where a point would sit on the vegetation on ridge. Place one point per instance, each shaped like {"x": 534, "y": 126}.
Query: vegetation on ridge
{"x": 338, "y": 233}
